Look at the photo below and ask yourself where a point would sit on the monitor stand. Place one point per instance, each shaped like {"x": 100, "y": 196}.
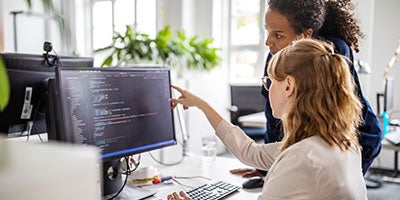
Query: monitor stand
{"x": 112, "y": 179}
{"x": 112, "y": 183}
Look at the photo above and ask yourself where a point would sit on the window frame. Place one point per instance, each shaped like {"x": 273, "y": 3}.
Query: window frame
{"x": 260, "y": 48}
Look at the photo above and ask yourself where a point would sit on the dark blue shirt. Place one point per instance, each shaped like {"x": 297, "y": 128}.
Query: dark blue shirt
{"x": 370, "y": 130}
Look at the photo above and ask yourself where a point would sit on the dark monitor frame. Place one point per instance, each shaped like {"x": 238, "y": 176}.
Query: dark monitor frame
{"x": 387, "y": 96}
{"x": 28, "y": 75}
{"x": 65, "y": 129}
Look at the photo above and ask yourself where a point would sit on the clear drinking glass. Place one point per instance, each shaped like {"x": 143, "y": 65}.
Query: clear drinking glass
{"x": 209, "y": 148}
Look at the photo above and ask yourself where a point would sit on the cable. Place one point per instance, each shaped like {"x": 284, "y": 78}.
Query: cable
{"x": 29, "y": 125}
{"x": 184, "y": 185}
{"x": 188, "y": 177}
{"x": 135, "y": 163}
{"x": 166, "y": 164}
{"x": 33, "y": 127}
{"x": 38, "y": 134}
{"x": 191, "y": 177}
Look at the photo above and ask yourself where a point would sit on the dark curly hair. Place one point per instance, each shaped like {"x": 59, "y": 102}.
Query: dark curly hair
{"x": 333, "y": 18}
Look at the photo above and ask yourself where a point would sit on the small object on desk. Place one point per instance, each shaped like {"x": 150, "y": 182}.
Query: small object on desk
{"x": 212, "y": 191}
{"x": 144, "y": 174}
{"x": 393, "y": 137}
{"x": 253, "y": 183}
{"x": 209, "y": 148}
{"x": 163, "y": 179}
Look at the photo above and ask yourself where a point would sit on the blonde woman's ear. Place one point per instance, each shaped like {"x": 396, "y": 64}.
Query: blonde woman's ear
{"x": 290, "y": 86}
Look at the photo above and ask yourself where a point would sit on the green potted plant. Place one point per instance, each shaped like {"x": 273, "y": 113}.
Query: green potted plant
{"x": 4, "y": 86}
{"x": 170, "y": 48}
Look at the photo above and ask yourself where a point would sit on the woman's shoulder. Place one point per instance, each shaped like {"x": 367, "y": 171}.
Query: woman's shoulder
{"x": 340, "y": 45}
{"x": 314, "y": 149}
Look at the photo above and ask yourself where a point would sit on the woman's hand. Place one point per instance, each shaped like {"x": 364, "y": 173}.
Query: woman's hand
{"x": 186, "y": 99}
{"x": 181, "y": 196}
{"x": 247, "y": 172}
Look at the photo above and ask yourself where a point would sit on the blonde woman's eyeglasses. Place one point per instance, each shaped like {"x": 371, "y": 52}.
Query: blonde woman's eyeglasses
{"x": 266, "y": 82}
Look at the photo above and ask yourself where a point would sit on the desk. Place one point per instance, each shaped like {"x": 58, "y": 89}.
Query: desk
{"x": 194, "y": 166}
{"x": 396, "y": 149}
{"x": 257, "y": 120}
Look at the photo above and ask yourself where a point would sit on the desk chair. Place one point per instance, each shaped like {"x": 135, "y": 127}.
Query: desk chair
{"x": 247, "y": 99}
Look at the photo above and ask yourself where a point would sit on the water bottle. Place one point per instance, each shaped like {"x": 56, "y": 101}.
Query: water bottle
{"x": 385, "y": 121}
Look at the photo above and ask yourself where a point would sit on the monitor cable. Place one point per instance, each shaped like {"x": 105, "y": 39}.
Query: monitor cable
{"x": 30, "y": 125}
{"x": 166, "y": 164}
{"x": 190, "y": 178}
{"x": 128, "y": 171}
{"x": 134, "y": 162}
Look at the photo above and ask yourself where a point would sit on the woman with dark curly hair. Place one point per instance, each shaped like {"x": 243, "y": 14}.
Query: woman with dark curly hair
{"x": 329, "y": 20}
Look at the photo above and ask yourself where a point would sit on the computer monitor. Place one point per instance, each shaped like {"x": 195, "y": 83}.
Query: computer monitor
{"x": 28, "y": 75}
{"x": 123, "y": 111}
{"x": 387, "y": 96}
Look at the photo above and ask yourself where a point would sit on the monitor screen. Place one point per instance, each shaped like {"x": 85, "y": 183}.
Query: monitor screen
{"x": 28, "y": 75}
{"x": 123, "y": 111}
{"x": 389, "y": 94}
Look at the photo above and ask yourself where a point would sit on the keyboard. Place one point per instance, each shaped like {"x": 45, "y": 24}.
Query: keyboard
{"x": 212, "y": 191}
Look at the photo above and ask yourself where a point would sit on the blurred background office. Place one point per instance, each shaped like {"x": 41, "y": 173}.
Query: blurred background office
{"x": 235, "y": 25}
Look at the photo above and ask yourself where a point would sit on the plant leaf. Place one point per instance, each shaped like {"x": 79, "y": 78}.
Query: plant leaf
{"x": 29, "y": 3}
{"x": 169, "y": 47}
{"x": 4, "y": 86}
{"x": 107, "y": 61}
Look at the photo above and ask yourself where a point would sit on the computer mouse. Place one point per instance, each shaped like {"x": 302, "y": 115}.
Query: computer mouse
{"x": 253, "y": 183}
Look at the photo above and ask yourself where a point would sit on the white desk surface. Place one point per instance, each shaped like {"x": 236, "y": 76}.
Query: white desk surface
{"x": 257, "y": 120}
{"x": 387, "y": 145}
{"x": 194, "y": 166}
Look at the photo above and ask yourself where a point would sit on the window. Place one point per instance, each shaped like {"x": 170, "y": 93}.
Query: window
{"x": 111, "y": 16}
{"x": 247, "y": 51}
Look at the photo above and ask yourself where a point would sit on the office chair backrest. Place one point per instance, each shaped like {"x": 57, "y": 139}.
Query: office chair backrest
{"x": 245, "y": 100}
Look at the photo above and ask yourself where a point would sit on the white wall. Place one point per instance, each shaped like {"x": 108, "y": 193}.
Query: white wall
{"x": 32, "y": 30}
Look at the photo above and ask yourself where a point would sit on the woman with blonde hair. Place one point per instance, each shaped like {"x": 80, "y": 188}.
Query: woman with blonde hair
{"x": 313, "y": 93}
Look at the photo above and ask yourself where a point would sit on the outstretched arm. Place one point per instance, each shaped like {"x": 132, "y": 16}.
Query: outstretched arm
{"x": 189, "y": 100}
{"x": 244, "y": 148}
